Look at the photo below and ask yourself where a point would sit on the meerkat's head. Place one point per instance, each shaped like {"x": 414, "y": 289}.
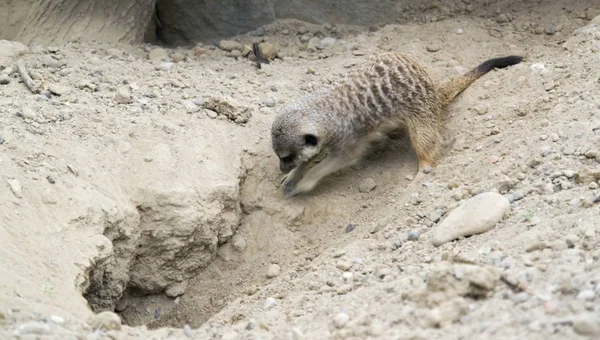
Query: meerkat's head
{"x": 295, "y": 139}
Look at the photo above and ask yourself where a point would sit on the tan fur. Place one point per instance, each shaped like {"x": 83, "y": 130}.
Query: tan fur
{"x": 386, "y": 92}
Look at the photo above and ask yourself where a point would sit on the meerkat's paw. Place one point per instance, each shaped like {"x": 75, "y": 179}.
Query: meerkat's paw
{"x": 302, "y": 186}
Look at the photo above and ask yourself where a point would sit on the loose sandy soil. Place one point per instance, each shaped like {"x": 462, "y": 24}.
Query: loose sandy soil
{"x": 116, "y": 198}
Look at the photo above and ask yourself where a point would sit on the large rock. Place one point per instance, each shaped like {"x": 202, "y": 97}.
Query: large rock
{"x": 189, "y": 21}
{"x": 477, "y": 215}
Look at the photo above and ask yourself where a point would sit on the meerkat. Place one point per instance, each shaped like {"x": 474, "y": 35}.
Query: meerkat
{"x": 328, "y": 130}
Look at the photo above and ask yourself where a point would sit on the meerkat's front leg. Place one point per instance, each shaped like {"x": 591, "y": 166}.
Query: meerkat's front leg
{"x": 329, "y": 165}
{"x": 289, "y": 181}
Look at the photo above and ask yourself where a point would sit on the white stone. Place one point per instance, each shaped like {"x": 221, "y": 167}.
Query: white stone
{"x": 475, "y": 216}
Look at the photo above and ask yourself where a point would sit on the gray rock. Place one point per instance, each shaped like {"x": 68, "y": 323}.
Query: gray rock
{"x": 123, "y": 95}
{"x": 586, "y": 294}
{"x": 413, "y": 235}
{"x": 270, "y": 303}
{"x": 545, "y": 151}
{"x": 211, "y": 114}
{"x": 551, "y": 29}
{"x": 367, "y": 185}
{"x": 273, "y": 271}
{"x": 187, "y": 330}
{"x": 326, "y": 42}
{"x": 341, "y": 320}
{"x": 312, "y": 44}
{"x": 190, "y": 106}
{"x": 269, "y": 102}
{"x": 165, "y": 66}
{"x": 587, "y": 324}
{"x": 16, "y": 188}
{"x": 238, "y": 243}
{"x": 4, "y": 79}
{"x": 343, "y": 265}
{"x": 475, "y": 216}
{"x": 502, "y": 18}
{"x": 58, "y": 89}
{"x": 158, "y": 54}
{"x": 230, "y": 45}
{"x": 121, "y": 305}
{"x": 433, "y": 48}
{"x": 268, "y": 50}
{"x": 176, "y": 289}
{"x": 106, "y": 321}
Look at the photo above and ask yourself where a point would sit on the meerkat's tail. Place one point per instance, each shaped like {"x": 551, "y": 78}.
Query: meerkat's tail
{"x": 451, "y": 88}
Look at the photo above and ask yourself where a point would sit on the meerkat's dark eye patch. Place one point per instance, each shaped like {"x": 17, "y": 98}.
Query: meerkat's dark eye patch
{"x": 311, "y": 140}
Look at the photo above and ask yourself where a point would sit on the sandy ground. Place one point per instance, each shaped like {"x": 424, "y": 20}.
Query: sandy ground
{"x": 109, "y": 183}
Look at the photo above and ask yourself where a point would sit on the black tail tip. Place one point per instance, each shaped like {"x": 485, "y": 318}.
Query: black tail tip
{"x": 502, "y": 62}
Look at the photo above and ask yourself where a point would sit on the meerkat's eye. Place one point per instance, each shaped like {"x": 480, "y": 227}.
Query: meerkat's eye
{"x": 311, "y": 140}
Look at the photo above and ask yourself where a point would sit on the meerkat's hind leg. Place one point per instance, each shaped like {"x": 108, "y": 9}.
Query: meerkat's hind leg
{"x": 426, "y": 139}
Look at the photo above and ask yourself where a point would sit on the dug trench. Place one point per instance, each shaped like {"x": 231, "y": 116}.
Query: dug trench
{"x": 168, "y": 268}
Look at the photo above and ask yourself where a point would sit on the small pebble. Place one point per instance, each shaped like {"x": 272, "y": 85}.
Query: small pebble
{"x": 587, "y": 324}
{"x": 433, "y": 48}
{"x": 551, "y": 29}
{"x": 121, "y": 305}
{"x": 16, "y": 188}
{"x": 4, "y": 79}
{"x": 57, "y": 319}
{"x": 367, "y": 185}
{"x": 238, "y": 243}
{"x": 586, "y": 294}
{"x": 269, "y": 102}
{"x": 341, "y": 320}
{"x": 187, "y": 330}
{"x": 123, "y": 95}
{"x": 176, "y": 289}
{"x": 273, "y": 271}
{"x": 343, "y": 265}
{"x": 413, "y": 235}
{"x": 349, "y": 228}
{"x": 58, "y": 89}
{"x": 165, "y": 66}
{"x": 270, "y": 303}
{"x": 344, "y": 289}
{"x": 339, "y": 253}
{"x": 502, "y": 18}
{"x": 107, "y": 321}
{"x": 545, "y": 151}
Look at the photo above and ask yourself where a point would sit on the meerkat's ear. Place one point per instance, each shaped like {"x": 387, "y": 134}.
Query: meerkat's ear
{"x": 310, "y": 139}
